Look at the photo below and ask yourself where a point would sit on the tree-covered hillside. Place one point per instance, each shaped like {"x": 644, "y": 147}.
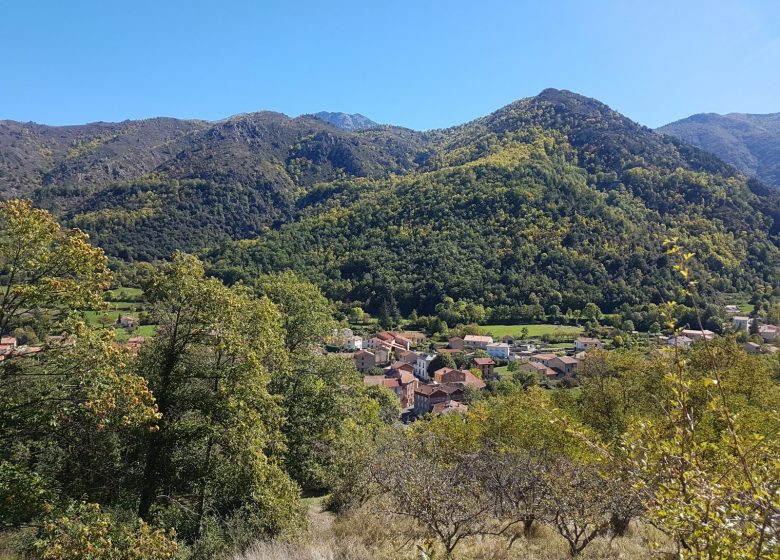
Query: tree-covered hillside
{"x": 751, "y": 143}
{"x": 554, "y": 199}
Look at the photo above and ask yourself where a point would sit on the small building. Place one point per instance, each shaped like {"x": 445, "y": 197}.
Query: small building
{"x": 498, "y": 350}
{"x": 564, "y": 364}
{"x": 732, "y": 309}
{"x": 698, "y": 334}
{"x": 407, "y": 356}
{"x": 415, "y": 337}
{"x": 456, "y": 343}
{"x": 543, "y": 372}
{"x": 543, "y": 358}
{"x": 585, "y": 343}
{"x": 421, "y": 366}
{"x": 449, "y": 407}
{"x": 508, "y": 338}
{"x": 127, "y": 321}
{"x": 769, "y": 332}
{"x": 680, "y": 341}
{"x": 353, "y": 343}
{"x": 475, "y": 341}
{"x": 7, "y": 345}
{"x": 486, "y": 366}
{"x": 752, "y": 348}
{"x": 447, "y": 375}
{"x": 382, "y": 354}
{"x": 428, "y": 396}
{"x": 741, "y": 323}
{"x": 401, "y": 367}
{"x": 364, "y": 360}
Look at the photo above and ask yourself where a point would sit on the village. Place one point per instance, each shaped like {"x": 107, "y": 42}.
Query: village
{"x": 436, "y": 377}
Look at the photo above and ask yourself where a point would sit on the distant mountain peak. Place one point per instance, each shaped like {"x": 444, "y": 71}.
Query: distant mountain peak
{"x": 345, "y": 121}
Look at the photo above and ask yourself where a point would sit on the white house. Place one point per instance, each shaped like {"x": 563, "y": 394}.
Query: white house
{"x": 473, "y": 341}
{"x": 353, "y": 343}
{"x": 421, "y": 365}
{"x": 584, "y": 343}
{"x": 498, "y": 350}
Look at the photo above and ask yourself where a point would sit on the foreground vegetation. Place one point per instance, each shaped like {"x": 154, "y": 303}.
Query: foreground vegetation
{"x": 204, "y": 443}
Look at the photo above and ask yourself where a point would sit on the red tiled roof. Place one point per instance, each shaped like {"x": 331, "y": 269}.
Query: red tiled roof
{"x": 389, "y": 382}
{"x": 483, "y": 361}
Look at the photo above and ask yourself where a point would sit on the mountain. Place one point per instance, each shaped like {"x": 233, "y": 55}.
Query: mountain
{"x": 751, "y": 143}
{"x": 554, "y": 200}
{"x": 345, "y": 121}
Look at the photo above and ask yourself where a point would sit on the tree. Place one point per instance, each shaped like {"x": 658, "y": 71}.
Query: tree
{"x": 441, "y": 361}
{"x": 515, "y": 483}
{"x": 209, "y": 367}
{"x": 44, "y": 268}
{"x": 444, "y": 498}
{"x": 65, "y": 407}
{"x": 591, "y": 313}
{"x": 307, "y": 315}
{"x": 577, "y": 504}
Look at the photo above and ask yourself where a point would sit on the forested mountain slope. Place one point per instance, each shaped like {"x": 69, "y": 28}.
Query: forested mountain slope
{"x": 751, "y": 143}
{"x": 554, "y": 199}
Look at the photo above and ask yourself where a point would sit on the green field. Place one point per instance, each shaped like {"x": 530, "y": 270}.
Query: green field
{"x": 499, "y": 331}
{"x": 121, "y": 293}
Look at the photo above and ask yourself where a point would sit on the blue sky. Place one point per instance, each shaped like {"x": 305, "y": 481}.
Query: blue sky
{"x": 421, "y": 64}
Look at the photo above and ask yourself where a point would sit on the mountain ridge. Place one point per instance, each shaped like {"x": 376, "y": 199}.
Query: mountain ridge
{"x": 555, "y": 198}
{"x": 750, "y": 142}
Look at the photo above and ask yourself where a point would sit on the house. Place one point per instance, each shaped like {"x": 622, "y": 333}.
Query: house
{"x": 428, "y": 396}
{"x": 353, "y": 343}
{"x": 526, "y": 347}
{"x": 474, "y": 341}
{"x": 421, "y": 365}
{"x": 486, "y": 366}
{"x": 415, "y": 337}
{"x": 695, "y": 334}
{"x": 364, "y": 360}
{"x": 127, "y": 321}
{"x": 402, "y": 367}
{"x": 752, "y": 348}
{"x": 543, "y": 358}
{"x": 390, "y": 339}
{"x": 584, "y": 343}
{"x": 447, "y": 375}
{"x": 498, "y": 350}
{"x": 7, "y": 344}
{"x": 456, "y": 343}
{"x": 542, "y": 371}
{"x": 564, "y": 364}
{"x": 741, "y": 323}
{"x": 391, "y": 383}
{"x": 680, "y": 341}
{"x": 769, "y": 332}
{"x": 407, "y": 385}
{"x": 407, "y": 356}
{"x": 382, "y": 354}
{"x": 449, "y": 407}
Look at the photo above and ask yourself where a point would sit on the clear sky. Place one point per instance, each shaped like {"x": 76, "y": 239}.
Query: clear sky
{"x": 420, "y": 63}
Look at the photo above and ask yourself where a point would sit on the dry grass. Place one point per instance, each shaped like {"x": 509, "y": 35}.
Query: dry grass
{"x": 363, "y": 535}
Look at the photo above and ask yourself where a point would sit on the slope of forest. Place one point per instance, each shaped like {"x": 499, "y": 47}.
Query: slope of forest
{"x": 555, "y": 199}
{"x": 751, "y": 143}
